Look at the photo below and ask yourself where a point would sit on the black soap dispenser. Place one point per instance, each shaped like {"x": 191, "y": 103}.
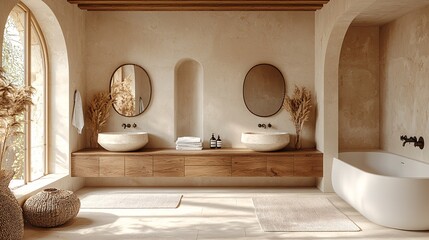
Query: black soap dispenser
{"x": 218, "y": 142}
{"x": 213, "y": 141}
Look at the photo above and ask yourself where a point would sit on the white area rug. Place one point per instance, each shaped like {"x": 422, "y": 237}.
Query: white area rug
{"x": 130, "y": 200}
{"x": 287, "y": 214}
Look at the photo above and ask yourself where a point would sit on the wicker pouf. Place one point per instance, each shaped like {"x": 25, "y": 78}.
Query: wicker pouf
{"x": 51, "y": 207}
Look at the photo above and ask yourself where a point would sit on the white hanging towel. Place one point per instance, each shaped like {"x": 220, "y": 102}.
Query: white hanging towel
{"x": 141, "y": 105}
{"x": 78, "y": 120}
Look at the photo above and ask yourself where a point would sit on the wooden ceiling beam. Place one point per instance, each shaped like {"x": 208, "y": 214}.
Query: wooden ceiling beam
{"x": 198, "y": 1}
{"x": 155, "y": 7}
{"x": 199, "y": 5}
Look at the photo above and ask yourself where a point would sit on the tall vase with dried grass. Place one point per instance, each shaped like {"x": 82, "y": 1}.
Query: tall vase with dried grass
{"x": 98, "y": 112}
{"x": 298, "y": 106}
{"x": 14, "y": 101}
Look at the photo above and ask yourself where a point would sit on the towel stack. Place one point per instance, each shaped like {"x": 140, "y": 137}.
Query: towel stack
{"x": 189, "y": 143}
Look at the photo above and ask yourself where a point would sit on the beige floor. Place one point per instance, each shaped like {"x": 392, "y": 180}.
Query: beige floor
{"x": 204, "y": 213}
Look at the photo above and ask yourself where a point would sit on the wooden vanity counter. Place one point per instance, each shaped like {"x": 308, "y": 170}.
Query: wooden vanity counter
{"x": 226, "y": 162}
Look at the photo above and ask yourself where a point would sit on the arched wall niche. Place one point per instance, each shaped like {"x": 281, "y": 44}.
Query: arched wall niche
{"x": 332, "y": 23}
{"x": 188, "y": 94}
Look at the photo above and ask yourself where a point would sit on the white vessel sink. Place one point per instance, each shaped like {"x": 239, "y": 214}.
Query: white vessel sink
{"x": 123, "y": 141}
{"x": 265, "y": 141}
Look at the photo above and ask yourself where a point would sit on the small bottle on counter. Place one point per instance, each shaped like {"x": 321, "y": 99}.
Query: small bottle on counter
{"x": 218, "y": 142}
{"x": 213, "y": 141}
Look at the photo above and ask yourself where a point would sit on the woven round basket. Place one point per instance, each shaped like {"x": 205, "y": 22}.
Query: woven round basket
{"x": 51, "y": 207}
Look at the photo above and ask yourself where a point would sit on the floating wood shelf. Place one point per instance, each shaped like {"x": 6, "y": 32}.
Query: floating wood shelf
{"x": 199, "y": 5}
{"x": 206, "y": 163}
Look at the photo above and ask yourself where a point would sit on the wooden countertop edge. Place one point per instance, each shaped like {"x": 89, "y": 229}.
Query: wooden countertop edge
{"x": 204, "y": 152}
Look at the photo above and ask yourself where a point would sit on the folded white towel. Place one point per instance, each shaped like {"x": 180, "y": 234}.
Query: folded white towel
{"x": 78, "y": 119}
{"x": 189, "y": 144}
{"x": 188, "y": 140}
{"x": 189, "y": 148}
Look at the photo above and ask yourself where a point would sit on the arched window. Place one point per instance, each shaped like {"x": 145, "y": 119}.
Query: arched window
{"x": 24, "y": 59}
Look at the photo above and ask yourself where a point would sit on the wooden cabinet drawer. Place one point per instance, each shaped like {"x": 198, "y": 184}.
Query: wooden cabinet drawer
{"x": 138, "y": 166}
{"x": 208, "y": 161}
{"x": 308, "y": 165}
{"x": 112, "y": 166}
{"x": 280, "y": 166}
{"x": 249, "y": 166}
{"x": 84, "y": 166}
{"x": 207, "y": 171}
{"x": 168, "y": 166}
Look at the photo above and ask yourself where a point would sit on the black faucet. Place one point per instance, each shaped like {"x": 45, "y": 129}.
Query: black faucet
{"x": 420, "y": 143}
{"x": 264, "y": 126}
{"x": 407, "y": 139}
{"x": 126, "y": 125}
{"x": 417, "y": 143}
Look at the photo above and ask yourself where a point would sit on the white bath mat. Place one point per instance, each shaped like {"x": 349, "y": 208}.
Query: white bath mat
{"x": 130, "y": 200}
{"x": 287, "y": 214}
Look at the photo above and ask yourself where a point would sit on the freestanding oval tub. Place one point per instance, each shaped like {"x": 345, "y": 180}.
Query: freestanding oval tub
{"x": 387, "y": 189}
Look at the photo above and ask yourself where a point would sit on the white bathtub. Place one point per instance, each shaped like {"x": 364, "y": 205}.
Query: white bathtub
{"x": 388, "y": 189}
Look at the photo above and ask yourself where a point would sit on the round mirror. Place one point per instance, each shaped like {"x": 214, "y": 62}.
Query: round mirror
{"x": 131, "y": 90}
{"x": 264, "y": 90}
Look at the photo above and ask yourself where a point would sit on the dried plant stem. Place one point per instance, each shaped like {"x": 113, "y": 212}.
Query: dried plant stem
{"x": 4, "y": 147}
{"x": 98, "y": 113}
{"x": 298, "y": 106}
{"x": 13, "y": 103}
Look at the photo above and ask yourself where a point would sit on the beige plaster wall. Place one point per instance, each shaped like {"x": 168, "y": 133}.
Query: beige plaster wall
{"x": 226, "y": 44}
{"x": 404, "y": 48}
{"x": 63, "y": 27}
{"x": 358, "y": 109}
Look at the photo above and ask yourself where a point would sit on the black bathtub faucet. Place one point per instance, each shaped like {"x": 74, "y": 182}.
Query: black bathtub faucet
{"x": 128, "y": 125}
{"x": 417, "y": 143}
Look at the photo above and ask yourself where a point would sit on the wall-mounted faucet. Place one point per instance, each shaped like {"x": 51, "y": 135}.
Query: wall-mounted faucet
{"x": 417, "y": 143}
{"x": 127, "y": 125}
{"x": 264, "y": 126}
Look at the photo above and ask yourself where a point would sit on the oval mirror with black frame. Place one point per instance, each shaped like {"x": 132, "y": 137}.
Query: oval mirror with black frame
{"x": 131, "y": 89}
{"x": 264, "y": 89}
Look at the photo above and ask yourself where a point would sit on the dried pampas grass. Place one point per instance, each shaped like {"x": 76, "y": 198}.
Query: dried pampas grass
{"x": 98, "y": 112}
{"x": 298, "y": 106}
{"x": 14, "y": 101}
{"x": 123, "y": 97}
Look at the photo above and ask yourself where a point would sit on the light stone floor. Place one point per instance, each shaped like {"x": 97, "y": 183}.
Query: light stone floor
{"x": 204, "y": 213}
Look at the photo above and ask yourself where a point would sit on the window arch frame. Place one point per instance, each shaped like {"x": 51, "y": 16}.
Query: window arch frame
{"x": 29, "y": 23}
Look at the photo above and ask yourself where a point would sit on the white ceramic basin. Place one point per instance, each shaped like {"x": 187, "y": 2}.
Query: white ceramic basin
{"x": 265, "y": 141}
{"x": 123, "y": 141}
